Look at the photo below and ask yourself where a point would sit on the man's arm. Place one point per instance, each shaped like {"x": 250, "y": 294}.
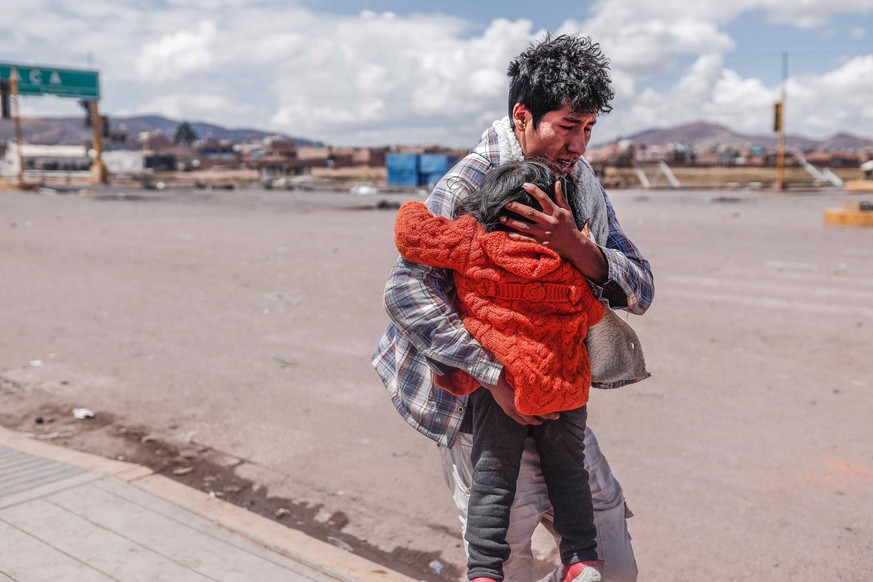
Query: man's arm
{"x": 630, "y": 284}
{"x": 418, "y": 300}
{"x": 618, "y": 268}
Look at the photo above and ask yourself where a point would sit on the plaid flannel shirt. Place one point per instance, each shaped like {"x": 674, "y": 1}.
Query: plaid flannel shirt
{"x": 426, "y": 335}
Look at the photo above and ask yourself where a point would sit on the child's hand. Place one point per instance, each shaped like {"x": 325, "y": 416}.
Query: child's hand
{"x": 504, "y": 396}
{"x": 586, "y": 229}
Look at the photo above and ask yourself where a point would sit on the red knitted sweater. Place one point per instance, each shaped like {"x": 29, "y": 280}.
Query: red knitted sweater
{"x": 519, "y": 299}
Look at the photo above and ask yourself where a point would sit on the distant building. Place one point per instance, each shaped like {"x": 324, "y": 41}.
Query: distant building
{"x": 834, "y": 159}
{"x": 46, "y": 158}
{"x": 277, "y": 157}
{"x": 124, "y": 163}
{"x": 213, "y": 152}
{"x": 370, "y": 157}
{"x": 154, "y": 140}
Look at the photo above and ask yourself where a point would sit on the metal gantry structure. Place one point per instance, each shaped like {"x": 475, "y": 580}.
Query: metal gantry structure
{"x": 81, "y": 84}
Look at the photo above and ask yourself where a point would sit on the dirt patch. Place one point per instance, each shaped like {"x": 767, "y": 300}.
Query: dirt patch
{"x": 200, "y": 467}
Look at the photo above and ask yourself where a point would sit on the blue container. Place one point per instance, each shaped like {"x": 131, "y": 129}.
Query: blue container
{"x": 432, "y": 167}
{"x": 402, "y": 169}
{"x": 431, "y": 163}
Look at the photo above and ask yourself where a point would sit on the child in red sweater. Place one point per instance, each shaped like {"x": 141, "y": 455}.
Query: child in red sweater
{"x": 532, "y": 310}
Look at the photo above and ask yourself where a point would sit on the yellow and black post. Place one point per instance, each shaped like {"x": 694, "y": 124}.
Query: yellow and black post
{"x": 780, "y": 153}
{"x": 779, "y": 126}
{"x": 99, "y": 175}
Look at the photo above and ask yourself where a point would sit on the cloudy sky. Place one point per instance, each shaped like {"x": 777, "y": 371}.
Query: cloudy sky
{"x": 372, "y": 72}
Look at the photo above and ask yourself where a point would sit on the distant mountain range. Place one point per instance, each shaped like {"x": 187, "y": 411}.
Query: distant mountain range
{"x": 703, "y": 136}
{"x": 71, "y": 130}
{"x": 700, "y": 135}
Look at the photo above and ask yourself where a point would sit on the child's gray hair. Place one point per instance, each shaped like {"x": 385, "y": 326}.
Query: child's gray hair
{"x": 503, "y": 185}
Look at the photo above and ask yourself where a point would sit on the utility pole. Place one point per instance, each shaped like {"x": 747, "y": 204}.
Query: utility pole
{"x": 99, "y": 175}
{"x": 779, "y": 125}
{"x": 13, "y": 73}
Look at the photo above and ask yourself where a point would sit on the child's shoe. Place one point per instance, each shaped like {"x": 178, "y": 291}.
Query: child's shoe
{"x": 483, "y": 580}
{"x": 582, "y": 572}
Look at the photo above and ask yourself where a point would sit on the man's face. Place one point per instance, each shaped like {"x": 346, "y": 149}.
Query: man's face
{"x": 560, "y": 137}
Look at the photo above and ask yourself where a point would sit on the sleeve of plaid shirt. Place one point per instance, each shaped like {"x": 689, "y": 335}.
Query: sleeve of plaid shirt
{"x": 419, "y": 299}
{"x": 629, "y": 284}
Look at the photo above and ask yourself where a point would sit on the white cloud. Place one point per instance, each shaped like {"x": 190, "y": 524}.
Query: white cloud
{"x": 812, "y": 13}
{"x": 804, "y": 13}
{"x": 389, "y": 78}
{"x": 740, "y": 103}
{"x": 196, "y": 107}
{"x": 176, "y": 55}
{"x": 406, "y": 78}
{"x": 816, "y": 105}
{"x": 840, "y": 98}
{"x": 646, "y": 46}
{"x": 624, "y": 85}
{"x": 700, "y": 80}
{"x": 646, "y": 41}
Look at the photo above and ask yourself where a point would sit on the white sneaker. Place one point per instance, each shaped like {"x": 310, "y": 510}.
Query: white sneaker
{"x": 583, "y": 572}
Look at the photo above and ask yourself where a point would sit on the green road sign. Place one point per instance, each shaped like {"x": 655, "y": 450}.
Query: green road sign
{"x": 52, "y": 81}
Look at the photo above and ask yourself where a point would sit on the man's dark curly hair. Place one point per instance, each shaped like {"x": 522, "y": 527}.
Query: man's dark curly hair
{"x": 554, "y": 73}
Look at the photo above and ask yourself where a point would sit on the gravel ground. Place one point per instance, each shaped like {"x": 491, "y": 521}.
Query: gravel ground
{"x": 230, "y": 333}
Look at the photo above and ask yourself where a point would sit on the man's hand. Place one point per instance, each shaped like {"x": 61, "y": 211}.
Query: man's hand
{"x": 504, "y": 395}
{"x": 555, "y": 227}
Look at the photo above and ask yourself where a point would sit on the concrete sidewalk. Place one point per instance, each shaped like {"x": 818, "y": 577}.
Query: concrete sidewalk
{"x": 71, "y": 516}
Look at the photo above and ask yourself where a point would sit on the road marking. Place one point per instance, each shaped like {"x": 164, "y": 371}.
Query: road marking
{"x": 840, "y": 277}
{"x": 837, "y": 291}
{"x": 808, "y": 308}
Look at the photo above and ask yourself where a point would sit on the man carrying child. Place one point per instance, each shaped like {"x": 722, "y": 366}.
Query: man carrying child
{"x": 557, "y": 89}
